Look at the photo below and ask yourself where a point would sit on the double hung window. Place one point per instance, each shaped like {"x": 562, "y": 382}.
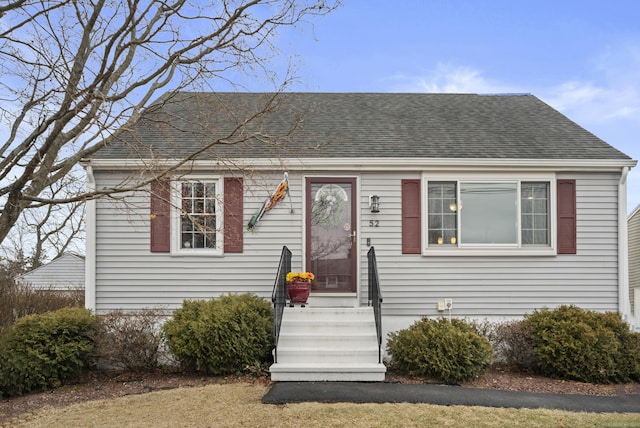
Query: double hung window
{"x": 197, "y": 217}
{"x": 489, "y": 214}
{"x": 534, "y": 207}
{"x": 443, "y": 213}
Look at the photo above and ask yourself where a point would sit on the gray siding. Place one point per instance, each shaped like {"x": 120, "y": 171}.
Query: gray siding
{"x": 64, "y": 273}
{"x": 634, "y": 258}
{"x": 131, "y": 277}
{"x": 501, "y": 286}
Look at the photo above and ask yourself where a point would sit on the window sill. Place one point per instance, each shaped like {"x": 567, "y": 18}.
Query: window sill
{"x": 488, "y": 252}
{"x": 196, "y": 253}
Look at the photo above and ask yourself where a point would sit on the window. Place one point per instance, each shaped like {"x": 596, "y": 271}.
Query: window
{"x": 534, "y": 206}
{"x": 488, "y": 213}
{"x": 442, "y": 213}
{"x": 197, "y": 217}
{"x": 166, "y": 219}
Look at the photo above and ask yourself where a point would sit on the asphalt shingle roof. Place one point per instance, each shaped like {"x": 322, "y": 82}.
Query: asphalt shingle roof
{"x": 348, "y": 125}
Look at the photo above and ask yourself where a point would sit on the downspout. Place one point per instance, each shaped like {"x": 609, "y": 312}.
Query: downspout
{"x": 90, "y": 256}
{"x": 624, "y": 306}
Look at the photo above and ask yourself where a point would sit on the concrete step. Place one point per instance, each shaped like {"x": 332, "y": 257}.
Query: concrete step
{"x": 323, "y": 340}
{"x": 309, "y": 312}
{"x": 346, "y": 355}
{"x": 327, "y": 372}
{"x": 342, "y": 327}
{"x": 323, "y": 344}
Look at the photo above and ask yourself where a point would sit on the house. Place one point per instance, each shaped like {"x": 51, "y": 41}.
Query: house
{"x": 634, "y": 263}
{"x": 478, "y": 206}
{"x": 62, "y": 274}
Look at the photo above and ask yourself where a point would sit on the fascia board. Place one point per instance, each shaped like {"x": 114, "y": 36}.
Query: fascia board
{"x": 367, "y": 164}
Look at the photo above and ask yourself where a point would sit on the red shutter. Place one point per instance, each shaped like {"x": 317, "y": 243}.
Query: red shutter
{"x": 160, "y": 216}
{"x": 411, "y": 217}
{"x": 567, "y": 217}
{"x": 233, "y": 207}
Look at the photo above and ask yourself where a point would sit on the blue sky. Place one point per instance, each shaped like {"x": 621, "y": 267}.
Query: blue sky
{"x": 581, "y": 57}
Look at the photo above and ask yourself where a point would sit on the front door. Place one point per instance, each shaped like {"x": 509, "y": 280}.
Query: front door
{"x": 331, "y": 228}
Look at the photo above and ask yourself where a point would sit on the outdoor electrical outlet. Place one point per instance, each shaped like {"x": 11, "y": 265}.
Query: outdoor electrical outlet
{"x": 441, "y": 306}
{"x": 448, "y": 303}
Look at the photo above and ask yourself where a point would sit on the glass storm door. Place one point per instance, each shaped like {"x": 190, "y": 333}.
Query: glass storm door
{"x": 331, "y": 234}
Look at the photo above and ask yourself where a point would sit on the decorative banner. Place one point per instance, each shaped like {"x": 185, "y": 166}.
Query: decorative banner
{"x": 281, "y": 191}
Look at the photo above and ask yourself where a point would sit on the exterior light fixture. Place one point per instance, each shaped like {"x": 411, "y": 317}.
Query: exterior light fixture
{"x": 374, "y": 203}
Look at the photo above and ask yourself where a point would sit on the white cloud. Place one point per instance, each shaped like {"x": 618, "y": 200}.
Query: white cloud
{"x": 590, "y": 102}
{"x": 574, "y": 93}
{"x": 607, "y": 104}
{"x": 612, "y": 95}
{"x": 449, "y": 78}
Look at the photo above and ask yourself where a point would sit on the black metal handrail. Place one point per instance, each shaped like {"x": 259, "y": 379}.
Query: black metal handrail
{"x": 279, "y": 297}
{"x": 375, "y": 297}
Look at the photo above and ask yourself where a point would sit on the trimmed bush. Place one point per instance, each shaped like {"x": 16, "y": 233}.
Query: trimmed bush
{"x": 573, "y": 343}
{"x": 448, "y": 350}
{"x": 40, "y": 351}
{"x": 130, "y": 341}
{"x": 631, "y": 359}
{"x": 227, "y": 335}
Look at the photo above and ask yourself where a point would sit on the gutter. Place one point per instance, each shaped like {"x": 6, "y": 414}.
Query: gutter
{"x": 90, "y": 257}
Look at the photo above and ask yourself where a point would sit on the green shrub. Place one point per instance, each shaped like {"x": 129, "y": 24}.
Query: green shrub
{"x": 630, "y": 360}
{"x": 221, "y": 336}
{"x": 40, "y": 351}
{"x": 448, "y": 350}
{"x": 573, "y": 343}
{"x": 130, "y": 341}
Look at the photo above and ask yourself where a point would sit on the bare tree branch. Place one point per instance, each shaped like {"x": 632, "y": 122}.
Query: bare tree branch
{"x": 76, "y": 75}
{"x": 50, "y": 230}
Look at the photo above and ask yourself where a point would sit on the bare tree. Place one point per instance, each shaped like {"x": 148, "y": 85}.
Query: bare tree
{"x": 76, "y": 74}
{"x": 50, "y": 230}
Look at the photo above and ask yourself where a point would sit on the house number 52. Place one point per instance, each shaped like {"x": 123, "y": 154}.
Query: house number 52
{"x": 374, "y": 223}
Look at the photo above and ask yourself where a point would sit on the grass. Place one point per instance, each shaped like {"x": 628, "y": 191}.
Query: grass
{"x": 239, "y": 405}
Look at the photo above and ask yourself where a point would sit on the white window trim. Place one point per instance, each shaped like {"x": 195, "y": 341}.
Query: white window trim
{"x": 462, "y": 249}
{"x": 176, "y": 206}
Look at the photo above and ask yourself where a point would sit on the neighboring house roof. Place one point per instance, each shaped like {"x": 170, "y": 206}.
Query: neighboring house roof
{"x": 65, "y": 272}
{"x": 349, "y": 125}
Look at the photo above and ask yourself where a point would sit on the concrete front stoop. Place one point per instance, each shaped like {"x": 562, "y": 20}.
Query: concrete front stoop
{"x": 327, "y": 344}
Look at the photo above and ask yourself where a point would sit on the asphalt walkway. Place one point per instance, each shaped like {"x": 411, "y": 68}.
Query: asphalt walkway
{"x": 444, "y": 395}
